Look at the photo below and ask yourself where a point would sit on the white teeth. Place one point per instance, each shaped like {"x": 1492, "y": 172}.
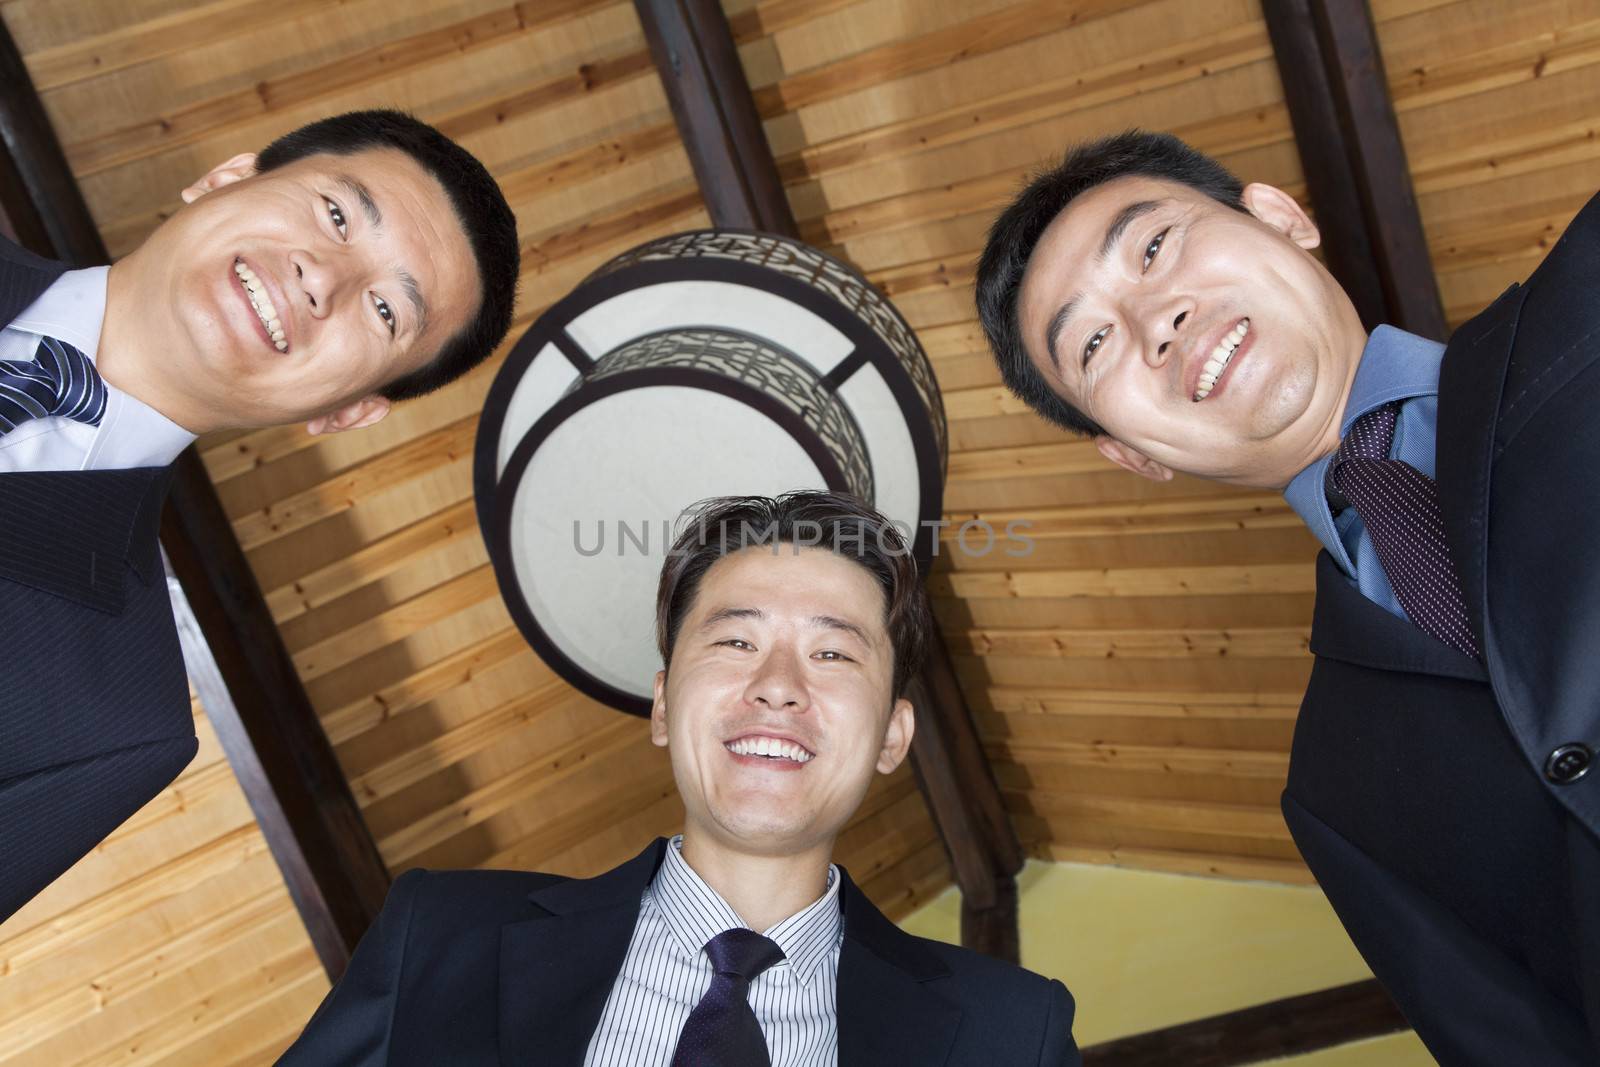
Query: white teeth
{"x": 1220, "y": 357}
{"x": 770, "y": 747}
{"x": 262, "y": 304}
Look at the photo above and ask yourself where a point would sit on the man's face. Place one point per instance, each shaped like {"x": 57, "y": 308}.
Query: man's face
{"x": 1203, "y": 339}
{"x": 786, "y": 653}
{"x": 301, "y": 292}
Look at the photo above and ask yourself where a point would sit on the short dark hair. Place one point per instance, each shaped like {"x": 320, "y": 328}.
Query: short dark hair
{"x": 1017, "y": 230}
{"x": 804, "y": 518}
{"x": 481, "y": 209}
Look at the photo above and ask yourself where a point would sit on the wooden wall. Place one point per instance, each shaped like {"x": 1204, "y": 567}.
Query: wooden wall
{"x": 1135, "y": 677}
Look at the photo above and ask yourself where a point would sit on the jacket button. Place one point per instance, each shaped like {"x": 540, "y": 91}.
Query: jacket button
{"x": 1568, "y": 763}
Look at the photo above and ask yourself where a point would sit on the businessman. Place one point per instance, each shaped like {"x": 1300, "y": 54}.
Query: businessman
{"x": 1440, "y": 785}
{"x": 356, "y": 262}
{"x": 789, "y": 628}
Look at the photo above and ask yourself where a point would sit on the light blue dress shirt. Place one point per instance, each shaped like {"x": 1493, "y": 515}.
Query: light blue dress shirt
{"x": 1395, "y": 365}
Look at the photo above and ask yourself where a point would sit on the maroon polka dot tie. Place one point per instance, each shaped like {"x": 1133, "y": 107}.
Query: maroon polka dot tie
{"x": 1399, "y": 506}
{"x": 722, "y": 1031}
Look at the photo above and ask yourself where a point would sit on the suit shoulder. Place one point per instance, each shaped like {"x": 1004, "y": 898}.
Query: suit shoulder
{"x": 1008, "y": 979}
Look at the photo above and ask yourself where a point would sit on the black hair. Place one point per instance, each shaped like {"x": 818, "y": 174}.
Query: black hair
{"x": 481, "y": 209}
{"x": 1017, "y": 230}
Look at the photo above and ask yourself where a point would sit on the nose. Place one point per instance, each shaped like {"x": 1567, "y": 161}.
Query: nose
{"x": 779, "y": 682}
{"x": 316, "y": 277}
{"x": 1165, "y": 319}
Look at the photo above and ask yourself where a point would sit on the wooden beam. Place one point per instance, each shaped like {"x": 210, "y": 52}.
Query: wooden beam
{"x": 236, "y": 658}
{"x": 1354, "y": 161}
{"x": 717, "y": 118}
{"x": 1287, "y": 1027}
{"x": 695, "y": 55}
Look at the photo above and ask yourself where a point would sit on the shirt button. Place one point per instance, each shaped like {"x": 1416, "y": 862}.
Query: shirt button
{"x": 1568, "y": 763}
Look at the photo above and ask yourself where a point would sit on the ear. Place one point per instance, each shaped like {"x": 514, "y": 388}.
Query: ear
{"x": 1131, "y": 459}
{"x": 353, "y": 416}
{"x": 658, "y": 712}
{"x": 236, "y": 169}
{"x": 897, "y": 738}
{"x": 1283, "y": 213}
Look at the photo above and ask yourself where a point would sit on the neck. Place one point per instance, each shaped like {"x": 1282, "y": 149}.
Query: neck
{"x": 123, "y": 355}
{"x": 764, "y": 890}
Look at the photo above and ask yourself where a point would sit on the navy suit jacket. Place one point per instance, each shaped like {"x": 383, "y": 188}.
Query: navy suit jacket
{"x": 1418, "y": 792}
{"x": 94, "y": 703}
{"x": 513, "y": 969}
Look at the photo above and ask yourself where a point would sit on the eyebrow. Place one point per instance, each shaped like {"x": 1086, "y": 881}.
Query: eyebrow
{"x": 1114, "y": 233}
{"x": 823, "y": 622}
{"x": 374, "y": 214}
{"x": 363, "y": 195}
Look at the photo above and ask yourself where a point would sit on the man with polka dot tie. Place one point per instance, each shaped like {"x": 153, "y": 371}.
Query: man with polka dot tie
{"x": 1440, "y": 785}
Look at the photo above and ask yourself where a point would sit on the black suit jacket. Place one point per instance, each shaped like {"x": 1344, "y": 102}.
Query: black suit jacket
{"x": 1418, "y": 793}
{"x": 94, "y": 704}
{"x": 513, "y": 969}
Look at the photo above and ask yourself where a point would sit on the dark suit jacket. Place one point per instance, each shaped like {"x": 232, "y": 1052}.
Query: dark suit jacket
{"x": 509, "y": 968}
{"x": 1418, "y": 792}
{"x": 94, "y": 704}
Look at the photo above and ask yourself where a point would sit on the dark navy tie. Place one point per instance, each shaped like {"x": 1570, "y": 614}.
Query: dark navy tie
{"x": 722, "y": 1031}
{"x": 60, "y": 382}
{"x": 1399, "y": 505}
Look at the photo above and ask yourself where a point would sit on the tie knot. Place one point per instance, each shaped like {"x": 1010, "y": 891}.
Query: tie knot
{"x": 1370, "y": 437}
{"x": 58, "y": 381}
{"x": 741, "y": 953}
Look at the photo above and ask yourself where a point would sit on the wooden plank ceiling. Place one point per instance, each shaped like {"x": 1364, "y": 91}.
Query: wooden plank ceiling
{"x": 1135, "y": 677}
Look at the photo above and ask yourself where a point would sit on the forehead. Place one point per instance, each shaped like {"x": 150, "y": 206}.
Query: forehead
{"x": 780, "y": 580}
{"x": 1067, "y": 254}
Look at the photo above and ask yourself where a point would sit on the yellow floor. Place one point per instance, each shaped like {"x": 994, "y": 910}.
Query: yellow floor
{"x": 1142, "y": 950}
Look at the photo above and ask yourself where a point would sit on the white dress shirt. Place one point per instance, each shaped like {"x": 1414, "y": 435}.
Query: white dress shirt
{"x": 132, "y": 433}
{"x": 666, "y": 972}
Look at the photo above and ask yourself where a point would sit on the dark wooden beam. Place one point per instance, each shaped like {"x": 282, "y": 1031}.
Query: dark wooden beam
{"x": 233, "y": 650}
{"x": 727, "y": 145}
{"x": 1285, "y": 1027}
{"x": 1355, "y": 164}
{"x": 698, "y": 62}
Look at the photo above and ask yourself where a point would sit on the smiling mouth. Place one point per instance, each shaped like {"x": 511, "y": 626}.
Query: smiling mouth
{"x": 1221, "y": 356}
{"x": 262, "y": 303}
{"x": 769, "y": 748}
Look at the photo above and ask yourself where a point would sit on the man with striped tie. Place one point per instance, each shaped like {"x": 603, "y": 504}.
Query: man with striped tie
{"x": 320, "y": 282}
{"x": 1440, "y": 785}
{"x": 789, "y": 628}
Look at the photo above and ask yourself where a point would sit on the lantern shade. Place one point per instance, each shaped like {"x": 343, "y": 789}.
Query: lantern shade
{"x": 705, "y": 364}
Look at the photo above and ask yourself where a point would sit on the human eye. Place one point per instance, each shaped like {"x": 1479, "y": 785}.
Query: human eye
{"x": 1152, "y": 249}
{"x": 1094, "y": 343}
{"x": 336, "y": 214}
{"x": 385, "y": 312}
{"x": 834, "y": 655}
{"x": 736, "y": 642}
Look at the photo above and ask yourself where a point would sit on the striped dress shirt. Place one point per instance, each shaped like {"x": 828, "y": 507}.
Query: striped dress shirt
{"x": 666, "y": 972}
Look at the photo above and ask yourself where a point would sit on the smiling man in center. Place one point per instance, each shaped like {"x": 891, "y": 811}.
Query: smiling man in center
{"x": 789, "y": 628}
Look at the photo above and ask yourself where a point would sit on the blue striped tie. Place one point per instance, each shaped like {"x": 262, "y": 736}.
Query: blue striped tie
{"x": 60, "y": 382}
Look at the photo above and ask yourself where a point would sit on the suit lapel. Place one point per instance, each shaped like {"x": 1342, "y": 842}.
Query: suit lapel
{"x": 557, "y": 970}
{"x": 1471, "y": 381}
{"x": 887, "y": 1013}
{"x": 72, "y": 533}
{"x": 1346, "y": 626}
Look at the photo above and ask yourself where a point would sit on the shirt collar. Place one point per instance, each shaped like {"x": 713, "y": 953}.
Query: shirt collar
{"x": 695, "y": 913}
{"x": 134, "y": 434}
{"x": 1395, "y": 365}
{"x": 73, "y": 309}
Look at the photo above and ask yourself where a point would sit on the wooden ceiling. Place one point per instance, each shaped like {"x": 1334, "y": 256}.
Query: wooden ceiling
{"x": 1134, "y": 677}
